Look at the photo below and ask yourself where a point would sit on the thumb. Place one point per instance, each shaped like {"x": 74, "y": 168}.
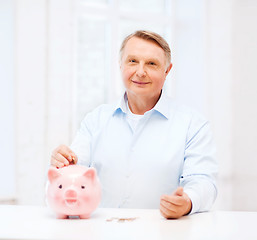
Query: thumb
{"x": 179, "y": 191}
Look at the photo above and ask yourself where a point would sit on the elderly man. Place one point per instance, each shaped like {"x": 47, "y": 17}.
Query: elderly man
{"x": 149, "y": 152}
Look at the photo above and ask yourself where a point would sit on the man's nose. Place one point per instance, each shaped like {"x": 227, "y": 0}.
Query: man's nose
{"x": 141, "y": 70}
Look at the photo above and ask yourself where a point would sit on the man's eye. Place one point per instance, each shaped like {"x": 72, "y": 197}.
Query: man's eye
{"x": 132, "y": 60}
{"x": 152, "y": 63}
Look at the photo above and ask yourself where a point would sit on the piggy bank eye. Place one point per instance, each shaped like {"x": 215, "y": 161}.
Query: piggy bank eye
{"x": 82, "y": 186}
{"x": 60, "y": 186}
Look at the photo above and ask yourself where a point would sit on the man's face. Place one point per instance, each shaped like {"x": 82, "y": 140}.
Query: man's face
{"x": 143, "y": 68}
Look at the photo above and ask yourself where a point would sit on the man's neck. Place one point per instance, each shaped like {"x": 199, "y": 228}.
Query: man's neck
{"x": 141, "y": 104}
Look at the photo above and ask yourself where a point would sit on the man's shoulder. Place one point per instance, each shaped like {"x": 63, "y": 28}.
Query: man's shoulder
{"x": 183, "y": 111}
{"x": 97, "y": 117}
{"x": 101, "y": 111}
{"x": 105, "y": 108}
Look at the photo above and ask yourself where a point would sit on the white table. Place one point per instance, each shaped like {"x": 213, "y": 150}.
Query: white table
{"x": 34, "y": 222}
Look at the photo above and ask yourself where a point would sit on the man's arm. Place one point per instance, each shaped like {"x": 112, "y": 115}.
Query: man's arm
{"x": 200, "y": 167}
{"x": 197, "y": 190}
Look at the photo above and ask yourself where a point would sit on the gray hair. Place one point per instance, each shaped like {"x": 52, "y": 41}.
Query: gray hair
{"x": 149, "y": 36}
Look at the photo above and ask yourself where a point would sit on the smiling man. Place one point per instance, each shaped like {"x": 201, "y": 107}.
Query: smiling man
{"x": 144, "y": 67}
{"x": 149, "y": 152}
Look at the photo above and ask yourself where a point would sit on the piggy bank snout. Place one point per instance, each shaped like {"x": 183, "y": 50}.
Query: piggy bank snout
{"x": 70, "y": 193}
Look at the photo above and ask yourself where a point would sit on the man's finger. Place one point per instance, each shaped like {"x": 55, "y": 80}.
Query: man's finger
{"x": 167, "y": 213}
{"x": 179, "y": 192}
{"x": 163, "y": 213}
{"x": 66, "y": 152}
{"x": 176, "y": 200}
{"x": 59, "y": 157}
{"x": 169, "y": 206}
{"x": 56, "y": 163}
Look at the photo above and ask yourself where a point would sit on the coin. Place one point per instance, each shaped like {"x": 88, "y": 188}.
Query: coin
{"x": 73, "y": 160}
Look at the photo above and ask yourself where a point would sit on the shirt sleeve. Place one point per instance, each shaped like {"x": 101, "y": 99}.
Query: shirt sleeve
{"x": 81, "y": 144}
{"x": 200, "y": 167}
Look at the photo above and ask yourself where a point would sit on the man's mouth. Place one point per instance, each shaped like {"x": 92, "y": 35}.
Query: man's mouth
{"x": 139, "y": 82}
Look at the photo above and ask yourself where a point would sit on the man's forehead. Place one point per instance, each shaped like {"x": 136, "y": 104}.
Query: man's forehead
{"x": 142, "y": 41}
{"x": 135, "y": 44}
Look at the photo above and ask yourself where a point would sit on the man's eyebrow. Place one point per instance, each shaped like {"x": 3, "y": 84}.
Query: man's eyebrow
{"x": 153, "y": 60}
{"x": 150, "y": 59}
{"x": 131, "y": 56}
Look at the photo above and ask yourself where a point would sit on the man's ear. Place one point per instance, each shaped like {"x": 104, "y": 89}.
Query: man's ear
{"x": 168, "y": 69}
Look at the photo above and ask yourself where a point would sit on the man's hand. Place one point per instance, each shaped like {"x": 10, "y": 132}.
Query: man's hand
{"x": 175, "y": 205}
{"x": 63, "y": 156}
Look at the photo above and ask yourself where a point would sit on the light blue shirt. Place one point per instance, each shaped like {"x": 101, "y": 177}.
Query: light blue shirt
{"x": 170, "y": 146}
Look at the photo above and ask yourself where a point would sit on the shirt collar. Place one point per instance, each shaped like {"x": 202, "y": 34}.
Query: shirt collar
{"x": 121, "y": 105}
{"x": 162, "y": 106}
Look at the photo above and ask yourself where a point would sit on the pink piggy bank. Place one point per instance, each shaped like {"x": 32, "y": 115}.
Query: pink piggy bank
{"x": 73, "y": 191}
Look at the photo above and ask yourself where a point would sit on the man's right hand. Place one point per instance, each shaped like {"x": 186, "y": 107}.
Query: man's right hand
{"x": 63, "y": 156}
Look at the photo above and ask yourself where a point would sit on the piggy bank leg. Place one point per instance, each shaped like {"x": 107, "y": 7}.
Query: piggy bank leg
{"x": 61, "y": 216}
{"x": 84, "y": 216}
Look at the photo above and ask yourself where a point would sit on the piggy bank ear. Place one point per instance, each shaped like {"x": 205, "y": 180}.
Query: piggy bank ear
{"x": 53, "y": 174}
{"x": 90, "y": 174}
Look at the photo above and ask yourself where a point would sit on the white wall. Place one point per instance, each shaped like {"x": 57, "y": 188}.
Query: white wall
{"x": 244, "y": 95}
{"x": 189, "y": 53}
{"x": 231, "y": 94}
{"x": 219, "y": 87}
{"x": 31, "y": 99}
{"x": 7, "y": 145}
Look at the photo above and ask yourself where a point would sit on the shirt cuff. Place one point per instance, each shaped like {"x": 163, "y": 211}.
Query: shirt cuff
{"x": 195, "y": 199}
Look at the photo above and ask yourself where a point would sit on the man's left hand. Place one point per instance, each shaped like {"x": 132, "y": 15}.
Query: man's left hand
{"x": 175, "y": 205}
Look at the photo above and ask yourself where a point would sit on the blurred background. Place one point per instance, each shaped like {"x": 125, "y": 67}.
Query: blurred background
{"x": 59, "y": 60}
